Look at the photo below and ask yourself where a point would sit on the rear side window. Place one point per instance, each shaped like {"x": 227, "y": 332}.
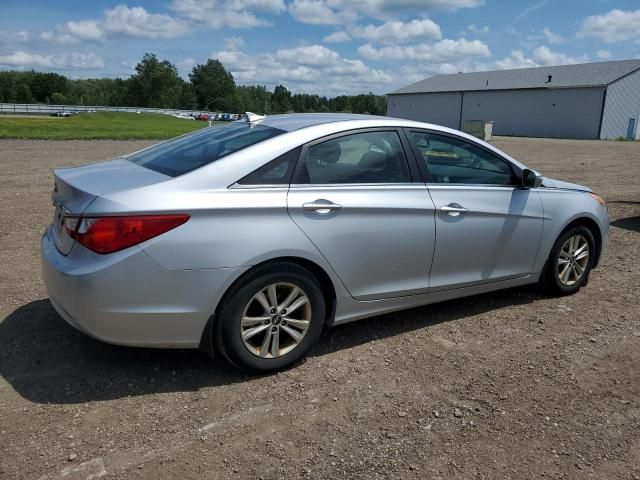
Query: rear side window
{"x": 276, "y": 172}
{"x": 188, "y": 152}
{"x": 368, "y": 157}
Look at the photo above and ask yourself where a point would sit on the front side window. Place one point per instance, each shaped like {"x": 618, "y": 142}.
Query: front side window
{"x": 188, "y": 152}
{"x": 452, "y": 160}
{"x": 368, "y": 157}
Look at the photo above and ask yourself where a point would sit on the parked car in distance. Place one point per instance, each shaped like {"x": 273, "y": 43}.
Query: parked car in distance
{"x": 203, "y": 116}
{"x": 246, "y": 240}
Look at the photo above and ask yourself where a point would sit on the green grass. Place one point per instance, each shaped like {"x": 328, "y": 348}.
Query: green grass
{"x": 102, "y": 125}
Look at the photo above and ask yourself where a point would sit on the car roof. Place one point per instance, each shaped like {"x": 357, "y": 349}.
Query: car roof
{"x": 296, "y": 121}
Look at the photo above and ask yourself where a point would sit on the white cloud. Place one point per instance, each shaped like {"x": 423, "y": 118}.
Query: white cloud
{"x": 551, "y": 36}
{"x": 310, "y": 68}
{"x": 84, "y": 29}
{"x": 233, "y": 43}
{"x": 476, "y": 30}
{"x": 614, "y": 26}
{"x": 118, "y": 21}
{"x": 542, "y": 57}
{"x": 337, "y": 37}
{"x": 137, "y": 22}
{"x": 333, "y": 12}
{"x": 59, "y": 38}
{"x": 444, "y": 51}
{"x": 397, "y": 31}
{"x": 21, "y": 36}
{"x": 546, "y": 57}
{"x": 603, "y": 54}
{"x": 232, "y": 13}
{"x": 517, "y": 59}
{"x": 84, "y": 61}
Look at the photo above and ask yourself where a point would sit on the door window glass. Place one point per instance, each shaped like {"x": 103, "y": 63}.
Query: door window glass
{"x": 452, "y": 160}
{"x": 369, "y": 157}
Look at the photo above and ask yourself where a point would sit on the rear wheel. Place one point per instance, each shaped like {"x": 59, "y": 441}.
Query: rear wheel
{"x": 271, "y": 318}
{"x": 570, "y": 261}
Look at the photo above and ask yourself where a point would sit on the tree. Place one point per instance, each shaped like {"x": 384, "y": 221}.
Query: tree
{"x": 58, "y": 98}
{"x": 155, "y": 84}
{"x": 281, "y": 100}
{"x": 212, "y": 85}
{"x": 23, "y": 94}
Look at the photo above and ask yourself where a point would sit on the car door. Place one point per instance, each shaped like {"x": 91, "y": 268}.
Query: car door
{"x": 363, "y": 205}
{"x": 487, "y": 227}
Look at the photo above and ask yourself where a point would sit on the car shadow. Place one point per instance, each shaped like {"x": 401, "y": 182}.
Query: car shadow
{"x": 47, "y": 361}
{"x": 629, "y": 223}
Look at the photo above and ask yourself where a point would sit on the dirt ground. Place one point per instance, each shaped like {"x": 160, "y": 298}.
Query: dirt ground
{"x": 511, "y": 384}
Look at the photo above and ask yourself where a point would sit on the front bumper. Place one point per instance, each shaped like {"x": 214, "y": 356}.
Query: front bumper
{"x": 126, "y": 298}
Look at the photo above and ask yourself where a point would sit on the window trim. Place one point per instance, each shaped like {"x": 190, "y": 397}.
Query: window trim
{"x": 414, "y": 176}
{"x": 286, "y": 184}
{"x": 426, "y": 176}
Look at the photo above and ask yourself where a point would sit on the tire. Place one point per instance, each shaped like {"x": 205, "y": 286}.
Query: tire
{"x": 243, "y": 342}
{"x": 565, "y": 273}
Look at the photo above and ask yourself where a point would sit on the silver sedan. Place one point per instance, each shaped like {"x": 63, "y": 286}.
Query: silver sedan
{"x": 247, "y": 239}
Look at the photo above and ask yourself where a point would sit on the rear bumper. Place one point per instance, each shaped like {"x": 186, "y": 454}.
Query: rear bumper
{"x": 126, "y": 298}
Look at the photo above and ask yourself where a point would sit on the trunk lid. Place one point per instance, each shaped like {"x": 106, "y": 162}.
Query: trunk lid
{"x": 75, "y": 188}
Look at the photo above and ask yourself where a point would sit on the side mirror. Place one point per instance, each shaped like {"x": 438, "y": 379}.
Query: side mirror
{"x": 531, "y": 179}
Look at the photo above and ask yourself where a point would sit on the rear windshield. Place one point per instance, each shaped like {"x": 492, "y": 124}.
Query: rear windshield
{"x": 188, "y": 152}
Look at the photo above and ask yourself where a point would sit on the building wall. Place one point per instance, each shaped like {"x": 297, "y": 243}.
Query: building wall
{"x": 549, "y": 113}
{"x": 622, "y": 103}
{"x": 438, "y": 108}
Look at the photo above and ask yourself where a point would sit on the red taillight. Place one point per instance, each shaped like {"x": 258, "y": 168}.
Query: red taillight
{"x": 111, "y": 234}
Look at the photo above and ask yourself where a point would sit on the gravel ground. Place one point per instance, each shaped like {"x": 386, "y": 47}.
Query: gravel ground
{"x": 506, "y": 385}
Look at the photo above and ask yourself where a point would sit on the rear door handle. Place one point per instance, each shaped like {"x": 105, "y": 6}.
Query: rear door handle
{"x": 321, "y": 207}
{"x": 453, "y": 209}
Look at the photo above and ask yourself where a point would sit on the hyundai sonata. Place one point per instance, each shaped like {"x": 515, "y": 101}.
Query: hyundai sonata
{"x": 247, "y": 239}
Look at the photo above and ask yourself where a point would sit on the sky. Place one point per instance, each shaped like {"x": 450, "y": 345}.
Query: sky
{"x": 328, "y": 47}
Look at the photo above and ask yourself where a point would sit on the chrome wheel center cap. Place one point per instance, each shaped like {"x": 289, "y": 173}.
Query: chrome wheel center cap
{"x": 276, "y": 320}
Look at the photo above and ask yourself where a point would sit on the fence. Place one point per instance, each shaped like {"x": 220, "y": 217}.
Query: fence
{"x": 45, "y": 109}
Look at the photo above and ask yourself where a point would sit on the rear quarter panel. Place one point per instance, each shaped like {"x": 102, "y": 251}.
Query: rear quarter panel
{"x": 228, "y": 228}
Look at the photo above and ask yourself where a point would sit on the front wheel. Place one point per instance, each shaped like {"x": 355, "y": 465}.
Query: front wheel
{"x": 570, "y": 261}
{"x": 271, "y": 318}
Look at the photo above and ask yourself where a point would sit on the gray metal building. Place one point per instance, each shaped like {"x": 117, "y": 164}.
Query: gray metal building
{"x": 590, "y": 100}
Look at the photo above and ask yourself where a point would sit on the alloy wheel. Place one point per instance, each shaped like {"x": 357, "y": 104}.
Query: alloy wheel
{"x": 275, "y": 320}
{"x": 573, "y": 260}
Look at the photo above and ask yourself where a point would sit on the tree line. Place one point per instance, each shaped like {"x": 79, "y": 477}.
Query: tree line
{"x": 157, "y": 84}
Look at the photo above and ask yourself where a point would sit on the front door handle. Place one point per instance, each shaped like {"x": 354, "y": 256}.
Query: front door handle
{"x": 453, "y": 209}
{"x": 321, "y": 207}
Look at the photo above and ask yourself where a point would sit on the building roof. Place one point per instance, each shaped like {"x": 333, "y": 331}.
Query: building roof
{"x": 564, "y": 76}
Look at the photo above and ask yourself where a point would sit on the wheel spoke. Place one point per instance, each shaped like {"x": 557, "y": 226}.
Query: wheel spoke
{"x": 303, "y": 324}
{"x": 273, "y": 298}
{"x": 262, "y": 300}
{"x": 297, "y": 304}
{"x": 247, "y": 334}
{"x": 565, "y": 274}
{"x": 580, "y": 250}
{"x": 275, "y": 344}
{"x": 264, "y": 348}
{"x": 297, "y": 336}
{"x": 562, "y": 261}
{"x": 564, "y": 254}
{"x": 290, "y": 298}
{"x": 579, "y": 269}
{"x": 250, "y": 321}
{"x": 582, "y": 255}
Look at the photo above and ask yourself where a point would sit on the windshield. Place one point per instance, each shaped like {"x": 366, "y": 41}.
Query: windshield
{"x": 188, "y": 152}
